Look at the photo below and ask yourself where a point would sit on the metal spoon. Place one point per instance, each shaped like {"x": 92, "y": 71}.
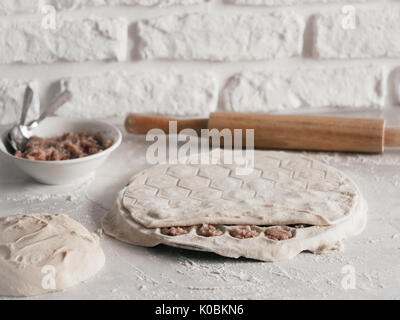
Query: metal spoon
{"x": 19, "y": 135}
{"x": 28, "y": 97}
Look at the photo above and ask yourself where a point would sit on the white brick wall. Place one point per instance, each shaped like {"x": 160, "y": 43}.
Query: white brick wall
{"x": 222, "y": 37}
{"x": 18, "y": 6}
{"x": 275, "y": 3}
{"x": 75, "y": 40}
{"x": 192, "y": 57}
{"x": 117, "y": 94}
{"x": 12, "y": 96}
{"x": 377, "y": 34}
{"x": 352, "y": 87}
{"x": 71, "y": 4}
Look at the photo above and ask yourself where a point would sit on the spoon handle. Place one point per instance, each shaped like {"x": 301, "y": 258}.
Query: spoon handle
{"x": 63, "y": 98}
{"x": 28, "y": 97}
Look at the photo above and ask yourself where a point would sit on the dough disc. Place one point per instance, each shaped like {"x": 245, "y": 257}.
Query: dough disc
{"x": 42, "y": 253}
{"x": 285, "y": 189}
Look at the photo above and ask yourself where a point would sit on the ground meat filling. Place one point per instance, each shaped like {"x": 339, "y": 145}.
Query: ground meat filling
{"x": 300, "y": 226}
{"x": 175, "y": 231}
{"x": 243, "y": 232}
{"x": 208, "y": 230}
{"x": 279, "y": 233}
{"x": 67, "y": 147}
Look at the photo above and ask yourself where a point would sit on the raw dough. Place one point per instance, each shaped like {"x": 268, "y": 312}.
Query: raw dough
{"x": 284, "y": 189}
{"x": 37, "y": 248}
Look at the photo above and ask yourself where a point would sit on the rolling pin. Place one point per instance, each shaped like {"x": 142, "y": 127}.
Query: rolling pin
{"x": 289, "y": 132}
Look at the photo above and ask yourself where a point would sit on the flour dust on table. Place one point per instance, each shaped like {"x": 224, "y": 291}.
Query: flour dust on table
{"x": 42, "y": 253}
{"x": 288, "y": 204}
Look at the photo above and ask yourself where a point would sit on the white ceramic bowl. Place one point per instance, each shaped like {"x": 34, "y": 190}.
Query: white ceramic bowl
{"x": 67, "y": 171}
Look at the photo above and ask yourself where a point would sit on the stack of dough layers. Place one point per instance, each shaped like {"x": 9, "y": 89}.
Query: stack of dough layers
{"x": 288, "y": 204}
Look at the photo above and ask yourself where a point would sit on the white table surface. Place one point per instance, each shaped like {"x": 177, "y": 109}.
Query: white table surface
{"x": 167, "y": 273}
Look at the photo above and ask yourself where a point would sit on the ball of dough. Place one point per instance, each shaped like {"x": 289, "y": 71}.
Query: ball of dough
{"x": 42, "y": 253}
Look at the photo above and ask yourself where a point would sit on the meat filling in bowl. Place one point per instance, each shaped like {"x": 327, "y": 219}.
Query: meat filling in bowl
{"x": 68, "y": 146}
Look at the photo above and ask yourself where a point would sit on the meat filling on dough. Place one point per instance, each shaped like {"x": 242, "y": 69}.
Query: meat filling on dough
{"x": 300, "y": 226}
{"x": 279, "y": 233}
{"x": 175, "y": 231}
{"x": 243, "y": 232}
{"x": 208, "y": 230}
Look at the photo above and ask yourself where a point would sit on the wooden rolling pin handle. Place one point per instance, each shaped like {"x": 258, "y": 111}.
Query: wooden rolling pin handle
{"x": 142, "y": 124}
{"x": 392, "y": 137}
{"x": 301, "y": 132}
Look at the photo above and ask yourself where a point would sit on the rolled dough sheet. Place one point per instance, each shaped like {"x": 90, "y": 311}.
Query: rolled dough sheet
{"x": 284, "y": 189}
